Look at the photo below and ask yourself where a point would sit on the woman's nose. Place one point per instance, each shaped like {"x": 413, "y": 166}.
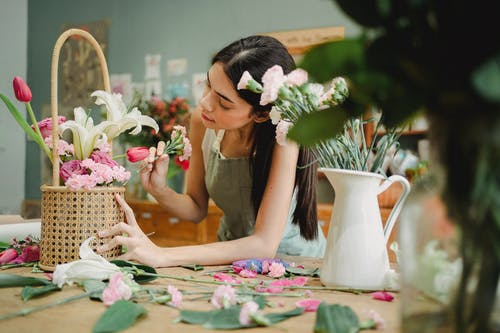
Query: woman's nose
{"x": 206, "y": 103}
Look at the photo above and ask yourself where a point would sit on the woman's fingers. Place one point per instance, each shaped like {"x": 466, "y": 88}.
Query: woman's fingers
{"x": 129, "y": 213}
{"x": 160, "y": 148}
{"x": 118, "y": 229}
{"x": 114, "y": 242}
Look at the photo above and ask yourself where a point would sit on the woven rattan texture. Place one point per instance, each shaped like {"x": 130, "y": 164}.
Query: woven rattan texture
{"x": 70, "y": 217}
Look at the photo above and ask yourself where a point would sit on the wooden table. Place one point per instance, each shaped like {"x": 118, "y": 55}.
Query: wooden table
{"x": 80, "y": 315}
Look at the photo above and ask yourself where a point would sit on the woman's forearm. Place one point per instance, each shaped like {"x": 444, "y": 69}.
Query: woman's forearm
{"x": 182, "y": 206}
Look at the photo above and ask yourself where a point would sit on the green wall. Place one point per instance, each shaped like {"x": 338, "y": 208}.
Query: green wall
{"x": 192, "y": 29}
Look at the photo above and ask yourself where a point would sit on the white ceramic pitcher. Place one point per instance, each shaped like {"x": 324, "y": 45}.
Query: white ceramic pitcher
{"x": 356, "y": 254}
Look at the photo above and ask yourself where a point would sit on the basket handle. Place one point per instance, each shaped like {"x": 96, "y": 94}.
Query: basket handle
{"x": 53, "y": 88}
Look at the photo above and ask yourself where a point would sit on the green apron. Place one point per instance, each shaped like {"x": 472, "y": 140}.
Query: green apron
{"x": 229, "y": 184}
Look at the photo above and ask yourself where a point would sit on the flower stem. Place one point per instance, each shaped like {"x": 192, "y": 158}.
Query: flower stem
{"x": 27, "y": 311}
{"x": 43, "y": 145}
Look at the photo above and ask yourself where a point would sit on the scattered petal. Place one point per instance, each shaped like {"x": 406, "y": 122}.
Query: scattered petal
{"x": 382, "y": 296}
{"x": 223, "y": 277}
{"x": 309, "y": 305}
{"x": 245, "y": 273}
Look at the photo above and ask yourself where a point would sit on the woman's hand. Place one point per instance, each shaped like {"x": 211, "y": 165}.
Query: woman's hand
{"x": 139, "y": 247}
{"x": 153, "y": 171}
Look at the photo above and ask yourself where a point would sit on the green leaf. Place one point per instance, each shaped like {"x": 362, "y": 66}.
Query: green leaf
{"x": 486, "y": 79}
{"x": 224, "y": 319}
{"x": 193, "y": 267}
{"x": 94, "y": 288}
{"x": 119, "y": 316}
{"x": 12, "y": 280}
{"x": 29, "y": 292}
{"x": 138, "y": 268}
{"x": 314, "y": 272}
{"x": 367, "y": 13}
{"x": 318, "y": 126}
{"x": 338, "y": 58}
{"x": 4, "y": 246}
{"x": 335, "y": 318}
{"x": 195, "y": 317}
{"x": 21, "y": 121}
{"x": 277, "y": 317}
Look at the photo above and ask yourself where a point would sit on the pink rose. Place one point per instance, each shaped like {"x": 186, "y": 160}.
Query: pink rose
{"x": 45, "y": 126}
{"x": 103, "y": 158}
{"x": 71, "y": 168}
{"x": 136, "y": 154}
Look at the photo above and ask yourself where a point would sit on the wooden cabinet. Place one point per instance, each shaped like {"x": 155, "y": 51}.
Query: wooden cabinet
{"x": 168, "y": 230}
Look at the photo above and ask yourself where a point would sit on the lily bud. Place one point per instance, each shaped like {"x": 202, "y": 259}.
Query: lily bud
{"x": 21, "y": 89}
{"x": 136, "y": 154}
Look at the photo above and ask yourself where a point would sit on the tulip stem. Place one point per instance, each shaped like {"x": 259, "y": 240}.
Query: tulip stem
{"x": 43, "y": 145}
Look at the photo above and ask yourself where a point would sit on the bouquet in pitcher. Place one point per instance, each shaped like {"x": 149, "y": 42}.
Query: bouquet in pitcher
{"x": 87, "y": 161}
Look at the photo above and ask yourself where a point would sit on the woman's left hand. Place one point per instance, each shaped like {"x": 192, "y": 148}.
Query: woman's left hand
{"x": 139, "y": 247}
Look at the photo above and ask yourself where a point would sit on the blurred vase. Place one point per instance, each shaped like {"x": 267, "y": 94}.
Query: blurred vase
{"x": 429, "y": 261}
{"x": 356, "y": 253}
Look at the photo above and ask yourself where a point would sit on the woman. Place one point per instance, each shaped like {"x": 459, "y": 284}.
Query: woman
{"x": 266, "y": 191}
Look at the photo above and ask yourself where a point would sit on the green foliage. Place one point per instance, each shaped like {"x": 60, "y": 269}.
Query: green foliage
{"x": 12, "y": 280}
{"x": 136, "y": 270}
{"x": 29, "y": 292}
{"x": 118, "y": 317}
{"x": 335, "y": 318}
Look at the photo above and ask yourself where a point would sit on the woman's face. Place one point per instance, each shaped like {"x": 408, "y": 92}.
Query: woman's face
{"x": 221, "y": 106}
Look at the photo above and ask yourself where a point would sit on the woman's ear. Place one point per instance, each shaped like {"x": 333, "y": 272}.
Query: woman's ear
{"x": 261, "y": 117}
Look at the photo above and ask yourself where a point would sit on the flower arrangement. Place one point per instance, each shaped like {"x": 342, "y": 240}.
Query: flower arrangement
{"x": 293, "y": 98}
{"x": 168, "y": 115}
{"x": 87, "y": 162}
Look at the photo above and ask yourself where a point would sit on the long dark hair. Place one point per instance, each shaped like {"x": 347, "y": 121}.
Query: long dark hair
{"x": 256, "y": 54}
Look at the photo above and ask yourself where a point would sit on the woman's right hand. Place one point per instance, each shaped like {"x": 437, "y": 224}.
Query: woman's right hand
{"x": 153, "y": 171}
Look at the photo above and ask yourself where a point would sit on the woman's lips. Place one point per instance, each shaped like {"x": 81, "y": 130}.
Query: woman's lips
{"x": 204, "y": 116}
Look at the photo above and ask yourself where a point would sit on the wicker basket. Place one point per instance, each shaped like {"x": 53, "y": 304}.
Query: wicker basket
{"x": 69, "y": 217}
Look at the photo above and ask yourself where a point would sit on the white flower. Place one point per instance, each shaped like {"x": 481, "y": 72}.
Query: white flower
{"x": 245, "y": 78}
{"x": 90, "y": 266}
{"x": 85, "y": 135}
{"x": 297, "y": 77}
{"x": 272, "y": 81}
{"x": 120, "y": 119}
{"x": 246, "y": 312}
{"x": 275, "y": 115}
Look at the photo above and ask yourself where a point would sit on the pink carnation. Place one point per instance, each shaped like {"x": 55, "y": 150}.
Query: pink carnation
{"x": 243, "y": 84}
{"x": 246, "y": 312}
{"x": 276, "y": 270}
{"x": 116, "y": 290}
{"x": 297, "y": 77}
{"x": 282, "y": 131}
{"x": 76, "y": 182}
{"x": 272, "y": 81}
{"x": 176, "y": 295}
{"x": 298, "y": 281}
{"x": 103, "y": 158}
{"x": 223, "y": 277}
{"x": 309, "y": 305}
{"x": 223, "y": 297}
{"x": 245, "y": 273}
{"x": 63, "y": 147}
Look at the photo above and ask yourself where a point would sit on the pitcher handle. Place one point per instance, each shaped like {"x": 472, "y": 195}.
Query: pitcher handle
{"x": 391, "y": 221}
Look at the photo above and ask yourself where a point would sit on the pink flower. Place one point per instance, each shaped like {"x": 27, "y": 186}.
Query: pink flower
{"x": 71, "y": 168}
{"x": 116, "y": 290}
{"x": 246, "y": 312}
{"x": 268, "y": 289}
{"x": 282, "y": 131}
{"x": 245, "y": 273}
{"x": 184, "y": 164}
{"x": 76, "y": 182}
{"x": 21, "y": 89}
{"x": 7, "y": 256}
{"x": 176, "y": 295}
{"x": 121, "y": 174}
{"x": 276, "y": 270}
{"x": 377, "y": 318}
{"x": 297, "y": 77}
{"x": 308, "y": 293}
{"x": 136, "y": 154}
{"x": 45, "y": 125}
{"x": 298, "y": 281}
{"x": 30, "y": 253}
{"x": 272, "y": 81}
{"x": 223, "y": 277}
{"x": 223, "y": 297}
{"x": 63, "y": 147}
{"x": 103, "y": 158}
{"x": 243, "y": 84}
{"x": 309, "y": 305}
{"x": 382, "y": 296}
{"x": 187, "y": 150}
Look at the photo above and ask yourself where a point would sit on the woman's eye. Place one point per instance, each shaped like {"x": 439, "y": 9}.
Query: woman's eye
{"x": 223, "y": 106}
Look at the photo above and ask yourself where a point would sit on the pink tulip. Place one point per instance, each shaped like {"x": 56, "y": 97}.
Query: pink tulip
{"x": 21, "y": 89}
{"x": 136, "y": 154}
{"x": 7, "y": 256}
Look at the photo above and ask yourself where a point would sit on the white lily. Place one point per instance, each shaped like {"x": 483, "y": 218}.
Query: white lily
{"x": 120, "y": 119}
{"x": 85, "y": 134}
{"x": 90, "y": 266}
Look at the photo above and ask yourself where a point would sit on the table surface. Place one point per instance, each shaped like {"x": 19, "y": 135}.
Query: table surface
{"x": 80, "y": 315}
